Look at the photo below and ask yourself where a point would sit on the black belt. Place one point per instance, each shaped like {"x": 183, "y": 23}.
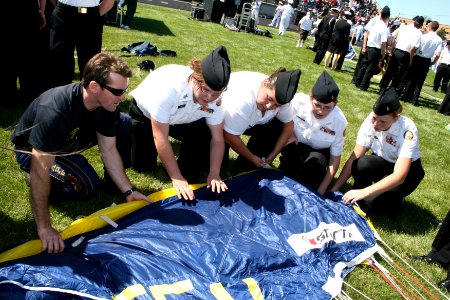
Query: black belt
{"x": 406, "y": 52}
{"x": 79, "y": 10}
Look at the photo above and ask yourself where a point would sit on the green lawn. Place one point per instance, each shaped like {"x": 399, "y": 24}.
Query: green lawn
{"x": 413, "y": 232}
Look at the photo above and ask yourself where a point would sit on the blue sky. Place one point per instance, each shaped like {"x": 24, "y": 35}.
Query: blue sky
{"x": 437, "y": 10}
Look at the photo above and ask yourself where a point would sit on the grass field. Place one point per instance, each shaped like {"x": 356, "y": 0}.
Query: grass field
{"x": 413, "y": 232}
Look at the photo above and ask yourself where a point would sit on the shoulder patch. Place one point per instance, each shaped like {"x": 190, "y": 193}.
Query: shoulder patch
{"x": 408, "y": 135}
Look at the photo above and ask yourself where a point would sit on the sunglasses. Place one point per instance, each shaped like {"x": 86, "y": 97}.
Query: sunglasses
{"x": 115, "y": 92}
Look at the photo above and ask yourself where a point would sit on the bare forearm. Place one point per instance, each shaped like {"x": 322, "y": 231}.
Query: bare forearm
{"x": 114, "y": 166}
{"x": 344, "y": 176}
{"x": 105, "y": 6}
{"x": 238, "y": 145}
{"x": 329, "y": 175}
{"x": 287, "y": 132}
{"x": 40, "y": 189}
{"x": 168, "y": 159}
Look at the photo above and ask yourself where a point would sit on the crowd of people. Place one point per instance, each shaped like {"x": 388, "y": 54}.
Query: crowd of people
{"x": 208, "y": 108}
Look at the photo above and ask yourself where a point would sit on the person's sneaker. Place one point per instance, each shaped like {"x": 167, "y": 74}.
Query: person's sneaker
{"x": 125, "y": 26}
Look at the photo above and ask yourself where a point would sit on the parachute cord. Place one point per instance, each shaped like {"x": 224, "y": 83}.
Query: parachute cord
{"x": 408, "y": 289}
{"x": 359, "y": 292}
{"x": 343, "y": 296}
{"x": 415, "y": 281}
{"x": 415, "y": 271}
{"x": 387, "y": 278}
{"x": 391, "y": 263}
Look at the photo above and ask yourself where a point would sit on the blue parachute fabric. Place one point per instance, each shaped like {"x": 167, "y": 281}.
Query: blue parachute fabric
{"x": 267, "y": 234}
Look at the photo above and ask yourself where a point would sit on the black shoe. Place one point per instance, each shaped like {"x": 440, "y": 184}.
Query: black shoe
{"x": 422, "y": 258}
{"x": 445, "y": 284}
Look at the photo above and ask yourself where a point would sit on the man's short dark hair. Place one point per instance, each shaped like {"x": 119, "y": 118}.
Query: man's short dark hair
{"x": 434, "y": 25}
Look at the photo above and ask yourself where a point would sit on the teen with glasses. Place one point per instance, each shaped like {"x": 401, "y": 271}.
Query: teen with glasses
{"x": 313, "y": 153}
{"x": 258, "y": 106}
{"x": 182, "y": 102}
{"x": 63, "y": 122}
{"x": 394, "y": 170}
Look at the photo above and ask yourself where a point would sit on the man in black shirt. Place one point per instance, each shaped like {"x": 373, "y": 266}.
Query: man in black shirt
{"x": 59, "y": 125}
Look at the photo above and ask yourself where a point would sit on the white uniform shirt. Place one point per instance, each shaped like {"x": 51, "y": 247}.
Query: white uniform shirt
{"x": 318, "y": 133}
{"x": 377, "y": 32}
{"x": 430, "y": 43}
{"x": 287, "y": 11}
{"x": 166, "y": 96}
{"x": 239, "y": 104}
{"x": 306, "y": 23}
{"x": 408, "y": 37}
{"x": 400, "y": 140}
{"x": 81, "y": 3}
{"x": 445, "y": 56}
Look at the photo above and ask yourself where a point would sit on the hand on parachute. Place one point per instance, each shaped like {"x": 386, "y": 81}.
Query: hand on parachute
{"x": 52, "y": 241}
{"x": 355, "y": 195}
{"x": 216, "y": 184}
{"x": 138, "y": 196}
{"x": 184, "y": 191}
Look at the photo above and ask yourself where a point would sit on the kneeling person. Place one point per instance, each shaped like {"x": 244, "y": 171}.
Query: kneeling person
{"x": 64, "y": 121}
{"x": 313, "y": 153}
{"x": 394, "y": 170}
{"x": 183, "y": 102}
{"x": 258, "y": 106}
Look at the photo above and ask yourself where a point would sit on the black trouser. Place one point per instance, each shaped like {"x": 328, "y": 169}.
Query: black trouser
{"x": 369, "y": 169}
{"x": 445, "y": 106}
{"x": 194, "y": 152}
{"x": 416, "y": 76}
{"x": 442, "y": 74}
{"x": 368, "y": 67}
{"x": 321, "y": 50}
{"x": 396, "y": 71}
{"x": 305, "y": 164}
{"x": 341, "y": 58}
{"x": 357, "y": 68}
{"x": 262, "y": 141}
{"x": 131, "y": 10}
{"x": 73, "y": 28}
{"x": 25, "y": 55}
{"x": 440, "y": 249}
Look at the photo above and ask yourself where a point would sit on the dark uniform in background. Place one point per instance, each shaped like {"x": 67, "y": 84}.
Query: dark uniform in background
{"x": 373, "y": 50}
{"x": 24, "y": 61}
{"x": 325, "y": 30}
{"x": 430, "y": 46}
{"x": 74, "y": 27}
{"x": 407, "y": 42}
{"x": 440, "y": 251}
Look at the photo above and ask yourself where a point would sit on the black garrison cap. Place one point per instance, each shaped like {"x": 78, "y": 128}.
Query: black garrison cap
{"x": 387, "y": 103}
{"x": 216, "y": 69}
{"x": 419, "y": 20}
{"x": 286, "y": 85}
{"x": 386, "y": 11}
{"x": 325, "y": 89}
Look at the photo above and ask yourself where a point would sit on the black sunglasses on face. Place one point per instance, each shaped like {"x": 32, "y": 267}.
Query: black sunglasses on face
{"x": 115, "y": 92}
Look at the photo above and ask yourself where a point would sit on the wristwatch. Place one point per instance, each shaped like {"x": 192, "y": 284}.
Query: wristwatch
{"x": 128, "y": 193}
